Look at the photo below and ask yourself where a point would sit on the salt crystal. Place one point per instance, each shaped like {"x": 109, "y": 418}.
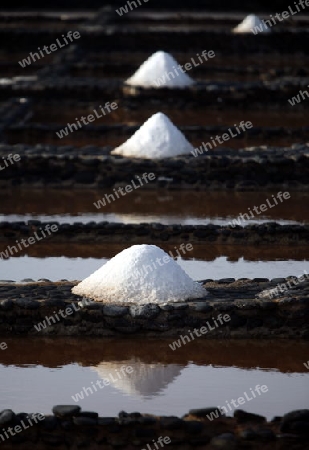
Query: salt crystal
{"x": 160, "y": 70}
{"x": 140, "y": 275}
{"x": 157, "y": 138}
{"x": 250, "y": 23}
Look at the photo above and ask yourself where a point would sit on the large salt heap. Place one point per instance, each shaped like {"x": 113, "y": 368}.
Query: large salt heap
{"x": 252, "y": 22}
{"x": 140, "y": 274}
{"x": 157, "y": 138}
{"x": 160, "y": 70}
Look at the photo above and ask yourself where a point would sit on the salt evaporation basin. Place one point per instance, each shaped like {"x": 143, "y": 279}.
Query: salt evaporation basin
{"x": 157, "y": 138}
{"x": 160, "y": 70}
{"x": 140, "y": 274}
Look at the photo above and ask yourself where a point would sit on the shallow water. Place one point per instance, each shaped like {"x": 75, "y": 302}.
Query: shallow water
{"x": 145, "y": 206}
{"x": 57, "y": 268}
{"x": 39, "y": 373}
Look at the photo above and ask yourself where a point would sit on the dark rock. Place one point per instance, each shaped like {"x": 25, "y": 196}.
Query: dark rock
{"x": 193, "y": 426}
{"x": 149, "y": 311}
{"x": 27, "y": 304}
{"x": 225, "y": 441}
{"x": 226, "y": 280}
{"x": 84, "y": 421}
{"x": 203, "y": 412}
{"x": 300, "y": 415}
{"x": 148, "y": 433}
{"x": 180, "y": 306}
{"x": 6, "y": 416}
{"x": 115, "y": 311}
{"x": 66, "y": 410}
{"x": 248, "y": 434}
{"x": 6, "y": 305}
{"x": 201, "y": 307}
{"x": 244, "y": 417}
{"x": 106, "y": 421}
{"x": 171, "y": 423}
{"x": 266, "y": 434}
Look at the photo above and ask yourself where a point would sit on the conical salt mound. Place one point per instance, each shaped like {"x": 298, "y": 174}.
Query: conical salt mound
{"x": 156, "y": 139}
{"x": 250, "y": 23}
{"x": 160, "y": 70}
{"x": 140, "y": 274}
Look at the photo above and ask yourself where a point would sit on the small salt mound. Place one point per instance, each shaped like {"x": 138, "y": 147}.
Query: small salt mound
{"x": 250, "y": 23}
{"x": 156, "y": 139}
{"x": 160, "y": 70}
{"x": 140, "y": 275}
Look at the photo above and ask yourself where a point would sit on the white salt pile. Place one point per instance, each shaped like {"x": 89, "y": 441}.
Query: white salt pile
{"x": 160, "y": 70}
{"x": 140, "y": 274}
{"x": 156, "y": 139}
{"x": 252, "y": 22}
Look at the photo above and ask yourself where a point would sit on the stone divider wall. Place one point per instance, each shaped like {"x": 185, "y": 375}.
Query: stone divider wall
{"x": 232, "y": 309}
{"x": 260, "y": 169}
{"x": 70, "y": 428}
{"x": 269, "y": 233}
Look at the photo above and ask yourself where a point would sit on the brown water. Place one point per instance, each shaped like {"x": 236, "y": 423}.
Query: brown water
{"x": 37, "y": 373}
{"x": 50, "y": 114}
{"x": 153, "y": 206}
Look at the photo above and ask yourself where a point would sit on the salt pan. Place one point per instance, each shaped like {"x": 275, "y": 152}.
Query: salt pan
{"x": 160, "y": 279}
{"x": 156, "y": 139}
{"x": 250, "y": 23}
{"x": 160, "y": 70}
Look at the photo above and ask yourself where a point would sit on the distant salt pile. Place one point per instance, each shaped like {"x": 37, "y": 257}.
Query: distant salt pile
{"x": 160, "y": 70}
{"x": 250, "y": 24}
{"x": 156, "y": 139}
{"x": 140, "y": 274}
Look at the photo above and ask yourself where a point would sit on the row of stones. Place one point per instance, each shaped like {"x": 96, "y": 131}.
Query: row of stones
{"x": 272, "y": 93}
{"x": 70, "y": 427}
{"x": 259, "y": 154}
{"x": 23, "y": 307}
{"x": 270, "y": 232}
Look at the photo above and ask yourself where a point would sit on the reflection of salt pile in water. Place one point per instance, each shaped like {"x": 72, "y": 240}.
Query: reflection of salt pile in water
{"x": 146, "y": 380}
{"x": 250, "y": 23}
{"x": 156, "y": 139}
{"x": 160, "y": 70}
{"x": 160, "y": 279}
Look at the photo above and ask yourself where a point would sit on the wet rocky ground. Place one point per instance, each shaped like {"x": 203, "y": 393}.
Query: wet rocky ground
{"x": 231, "y": 309}
{"x": 68, "y": 427}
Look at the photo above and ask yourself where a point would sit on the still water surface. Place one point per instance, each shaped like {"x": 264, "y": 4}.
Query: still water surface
{"x": 57, "y": 268}
{"x": 39, "y": 373}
